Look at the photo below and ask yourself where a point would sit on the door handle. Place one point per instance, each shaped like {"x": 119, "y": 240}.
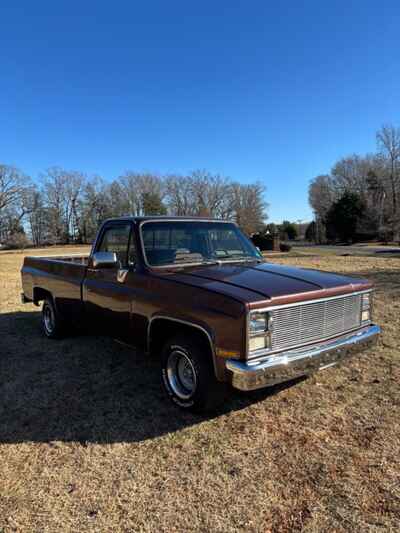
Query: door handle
{"x": 121, "y": 274}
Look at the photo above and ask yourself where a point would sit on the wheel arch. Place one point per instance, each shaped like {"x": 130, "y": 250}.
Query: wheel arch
{"x": 40, "y": 294}
{"x": 161, "y": 328}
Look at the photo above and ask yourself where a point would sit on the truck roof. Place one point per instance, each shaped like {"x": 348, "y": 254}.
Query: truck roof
{"x": 157, "y": 218}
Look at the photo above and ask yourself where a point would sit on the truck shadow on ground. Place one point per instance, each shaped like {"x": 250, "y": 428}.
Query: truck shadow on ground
{"x": 87, "y": 389}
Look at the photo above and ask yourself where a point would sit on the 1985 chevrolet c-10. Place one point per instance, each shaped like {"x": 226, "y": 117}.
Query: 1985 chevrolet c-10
{"x": 196, "y": 293}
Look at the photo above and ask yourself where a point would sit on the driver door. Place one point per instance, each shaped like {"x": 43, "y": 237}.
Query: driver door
{"x": 107, "y": 297}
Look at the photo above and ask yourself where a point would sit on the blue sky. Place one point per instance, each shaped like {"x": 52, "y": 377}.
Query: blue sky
{"x": 257, "y": 90}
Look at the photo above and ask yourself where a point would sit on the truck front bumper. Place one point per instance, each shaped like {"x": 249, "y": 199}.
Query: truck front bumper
{"x": 250, "y": 375}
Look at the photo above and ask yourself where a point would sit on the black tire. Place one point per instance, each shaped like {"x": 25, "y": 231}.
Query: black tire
{"x": 52, "y": 323}
{"x": 200, "y": 393}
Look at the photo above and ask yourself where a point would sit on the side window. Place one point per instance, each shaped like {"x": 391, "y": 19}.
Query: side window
{"x": 116, "y": 239}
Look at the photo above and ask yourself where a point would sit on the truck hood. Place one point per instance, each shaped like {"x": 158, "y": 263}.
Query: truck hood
{"x": 257, "y": 284}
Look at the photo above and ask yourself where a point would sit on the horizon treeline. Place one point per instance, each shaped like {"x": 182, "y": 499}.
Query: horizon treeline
{"x": 360, "y": 198}
{"x": 64, "y": 207}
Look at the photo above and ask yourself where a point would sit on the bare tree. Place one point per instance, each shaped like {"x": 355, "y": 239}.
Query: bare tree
{"x": 249, "y": 206}
{"x": 94, "y": 207}
{"x": 38, "y": 219}
{"x": 388, "y": 140}
{"x": 204, "y": 194}
{"x": 179, "y": 195}
{"x": 210, "y": 194}
{"x": 14, "y": 188}
{"x": 350, "y": 174}
{"x": 12, "y": 185}
{"x": 374, "y": 178}
{"x": 138, "y": 187}
{"x": 68, "y": 207}
{"x": 62, "y": 190}
{"x": 118, "y": 202}
{"x": 321, "y": 195}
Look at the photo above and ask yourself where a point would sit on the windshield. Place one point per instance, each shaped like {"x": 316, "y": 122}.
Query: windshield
{"x": 177, "y": 243}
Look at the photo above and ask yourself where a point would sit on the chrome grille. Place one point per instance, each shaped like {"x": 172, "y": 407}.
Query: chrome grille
{"x": 307, "y": 322}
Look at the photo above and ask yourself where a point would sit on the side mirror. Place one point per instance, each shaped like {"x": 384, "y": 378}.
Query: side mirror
{"x": 104, "y": 260}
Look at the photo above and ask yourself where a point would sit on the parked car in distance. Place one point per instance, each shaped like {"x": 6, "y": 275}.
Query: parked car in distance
{"x": 197, "y": 294}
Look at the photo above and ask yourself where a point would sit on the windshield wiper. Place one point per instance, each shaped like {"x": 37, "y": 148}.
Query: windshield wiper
{"x": 194, "y": 263}
{"x": 238, "y": 257}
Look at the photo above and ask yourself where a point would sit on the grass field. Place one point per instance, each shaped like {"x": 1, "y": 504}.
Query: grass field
{"x": 89, "y": 443}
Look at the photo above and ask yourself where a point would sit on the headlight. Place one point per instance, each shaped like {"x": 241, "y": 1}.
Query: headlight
{"x": 258, "y": 322}
{"x": 365, "y": 316}
{"x": 366, "y": 301}
{"x": 366, "y": 307}
{"x": 259, "y": 331}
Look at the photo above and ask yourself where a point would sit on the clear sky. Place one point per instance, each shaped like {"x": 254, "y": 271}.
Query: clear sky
{"x": 258, "y": 90}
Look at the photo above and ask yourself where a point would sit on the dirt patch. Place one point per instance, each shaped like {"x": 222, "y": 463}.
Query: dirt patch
{"x": 88, "y": 442}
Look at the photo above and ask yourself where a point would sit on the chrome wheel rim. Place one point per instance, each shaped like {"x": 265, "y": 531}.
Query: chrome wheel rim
{"x": 48, "y": 318}
{"x": 181, "y": 374}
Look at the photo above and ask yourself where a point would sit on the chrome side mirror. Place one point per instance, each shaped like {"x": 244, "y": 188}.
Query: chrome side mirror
{"x": 104, "y": 260}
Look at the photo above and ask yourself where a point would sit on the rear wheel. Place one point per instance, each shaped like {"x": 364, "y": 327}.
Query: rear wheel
{"x": 52, "y": 323}
{"x": 188, "y": 374}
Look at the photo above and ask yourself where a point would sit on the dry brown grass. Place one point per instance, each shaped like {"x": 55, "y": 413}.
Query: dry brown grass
{"x": 88, "y": 442}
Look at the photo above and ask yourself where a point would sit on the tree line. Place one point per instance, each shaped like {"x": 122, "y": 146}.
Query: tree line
{"x": 64, "y": 207}
{"x": 360, "y": 198}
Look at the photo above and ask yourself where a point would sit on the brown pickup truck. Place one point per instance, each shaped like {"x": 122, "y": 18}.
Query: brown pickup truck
{"x": 196, "y": 293}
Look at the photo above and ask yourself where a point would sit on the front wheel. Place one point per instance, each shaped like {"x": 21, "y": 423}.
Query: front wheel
{"x": 188, "y": 374}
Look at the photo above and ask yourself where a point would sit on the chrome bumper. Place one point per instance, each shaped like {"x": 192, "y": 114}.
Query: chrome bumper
{"x": 250, "y": 375}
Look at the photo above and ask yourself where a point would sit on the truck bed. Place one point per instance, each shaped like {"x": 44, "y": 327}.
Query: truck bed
{"x": 61, "y": 276}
